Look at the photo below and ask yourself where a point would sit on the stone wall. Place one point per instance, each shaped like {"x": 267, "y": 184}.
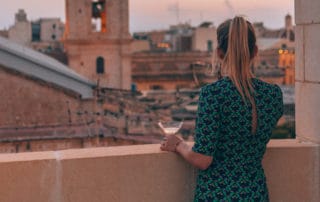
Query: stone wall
{"x": 64, "y": 144}
{"x": 28, "y": 102}
{"x": 201, "y": 36}
{"x": 52, "y": 29}
{"x": 20, "y": 33}
{"x": 307, "y": 70}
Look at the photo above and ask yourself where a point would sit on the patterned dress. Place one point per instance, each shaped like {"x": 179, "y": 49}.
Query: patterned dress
{"x": 223, "y": 130}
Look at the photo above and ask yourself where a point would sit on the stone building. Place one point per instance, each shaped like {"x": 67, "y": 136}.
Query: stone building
{"x": 21, "y": 31}
{"x": 49, "y": 106}
{"x": 204, "y": 37}
{"x": 47, "y": 34}
{"x": 97, "y": 41}
{"x": 43, "y": 34}
{"x": 45, "y": 105}
{"x": 276, "y": 58}
{"x": 38, "y": 90}
{"x": 287, "y": 32}
{"x": 287, "y": 61}
{"x": 171, "y": 71}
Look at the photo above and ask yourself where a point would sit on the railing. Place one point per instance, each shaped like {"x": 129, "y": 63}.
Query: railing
{"x": 144, "y": 173}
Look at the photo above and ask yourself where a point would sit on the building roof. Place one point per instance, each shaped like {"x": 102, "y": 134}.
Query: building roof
{"x": 288, "y": 44}
{"x": 35, "y": 64}
{"x": 267, "y": 43}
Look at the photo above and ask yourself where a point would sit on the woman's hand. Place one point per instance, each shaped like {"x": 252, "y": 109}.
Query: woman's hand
{"x": 170, "y": 143}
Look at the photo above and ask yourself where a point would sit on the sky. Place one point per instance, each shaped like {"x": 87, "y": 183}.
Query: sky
{"x": 160, "y": 14}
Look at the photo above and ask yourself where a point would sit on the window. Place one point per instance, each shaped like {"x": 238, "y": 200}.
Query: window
{"x": 36, "y": 29}
{"x": 156, "y": 87}
{"x": 53, "y": 37}
{"x": 54, "y": 26}
{"x": 100, "y": 65}
{"x": 99, "y": 16}
{"x": 209, "y": 46}
{"x": 284, "y": 46}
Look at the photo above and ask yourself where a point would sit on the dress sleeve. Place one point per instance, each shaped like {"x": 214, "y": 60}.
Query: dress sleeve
{"x": 279, "y": 103}
{"x": 207, "y": 123}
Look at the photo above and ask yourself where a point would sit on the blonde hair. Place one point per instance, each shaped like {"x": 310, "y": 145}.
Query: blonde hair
{"x": 236, "y": 38}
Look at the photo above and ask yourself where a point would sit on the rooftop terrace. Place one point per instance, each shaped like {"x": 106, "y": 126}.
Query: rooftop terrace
{"x": 143, "y": 173}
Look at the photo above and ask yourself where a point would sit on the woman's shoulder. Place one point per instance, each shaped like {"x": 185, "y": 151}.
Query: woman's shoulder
{"x": 225, "y": 85}
{"x": 220, "y": 85}
{"x": 265, "y": 86}
{"x": 217, "y": 88}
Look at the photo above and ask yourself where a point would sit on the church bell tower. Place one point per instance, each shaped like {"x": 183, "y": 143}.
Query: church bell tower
{"x": 97, "y": 41}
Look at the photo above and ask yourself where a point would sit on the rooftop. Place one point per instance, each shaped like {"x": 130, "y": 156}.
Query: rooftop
{"x": 35, "y": 64}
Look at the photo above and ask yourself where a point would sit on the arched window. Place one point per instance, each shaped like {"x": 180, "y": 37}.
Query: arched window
{"x": 99, "y": 16}
{"x": 100, "y": 65}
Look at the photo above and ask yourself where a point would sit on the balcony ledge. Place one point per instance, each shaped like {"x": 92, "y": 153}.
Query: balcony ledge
{"x": 144, "y": 173}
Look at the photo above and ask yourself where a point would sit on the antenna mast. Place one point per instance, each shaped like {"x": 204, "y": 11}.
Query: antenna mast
{"x": 175, "y": 8}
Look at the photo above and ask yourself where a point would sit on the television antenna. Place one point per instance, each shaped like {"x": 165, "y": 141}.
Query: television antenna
{"x": 176, "y": 10}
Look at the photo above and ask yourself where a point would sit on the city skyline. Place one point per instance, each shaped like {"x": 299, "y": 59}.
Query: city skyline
{"x": 155, "y": 15}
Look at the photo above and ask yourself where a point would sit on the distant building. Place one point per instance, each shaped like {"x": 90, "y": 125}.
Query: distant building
{"x": 48, "y": 106}
{"x": 97, "y": 41}
{"x": 276, "y": 59}
{"x": 38, "y": 90}
{"x": 140, "y": 46}
{"x": 21, "y": 31}
{"x": 285, "y": 33}
{"x": 180, "y": 57}
{"x": 4, "y": 33}
{"x": 287, "y": 61}
{"x": 47, "y": 34}
{"x": 44, "y": 34}
{"x": 171, "y": 71}
{"x": 180, "y": 38}
{"x": 204, "y": 37}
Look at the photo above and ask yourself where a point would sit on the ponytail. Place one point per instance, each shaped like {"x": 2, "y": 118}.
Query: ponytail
{"x": 240, "y": 44}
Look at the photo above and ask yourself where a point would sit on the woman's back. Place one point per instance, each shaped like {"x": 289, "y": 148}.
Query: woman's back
{"x": 234, "y": 122}
{"x": 224, "y": 131}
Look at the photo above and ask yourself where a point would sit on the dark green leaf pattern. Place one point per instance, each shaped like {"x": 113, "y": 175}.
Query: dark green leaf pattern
{"x": 223, "y": 130}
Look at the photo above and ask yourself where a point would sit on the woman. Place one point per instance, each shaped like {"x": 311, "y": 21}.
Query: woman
{"x": 234, "y": 122}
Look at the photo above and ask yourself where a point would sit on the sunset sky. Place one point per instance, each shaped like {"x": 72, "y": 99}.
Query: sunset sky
{"x": 159, "y": 14}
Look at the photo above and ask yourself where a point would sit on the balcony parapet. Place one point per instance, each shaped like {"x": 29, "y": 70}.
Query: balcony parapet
{"x": 144, "y": 173}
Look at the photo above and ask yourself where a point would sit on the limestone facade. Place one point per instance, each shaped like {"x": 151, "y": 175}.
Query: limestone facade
{"x": 107, "y": 49}
{"x": 171, "y": 71}
{"x": 204, "y": 39}
{"x": 52, "y": 29}
{"x": 21, "y": 31}
{"x": 43, "y": 34}
{"x": 308, "y": 73}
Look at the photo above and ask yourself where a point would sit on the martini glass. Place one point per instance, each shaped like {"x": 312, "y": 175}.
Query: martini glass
{"x": 170, "y": 127}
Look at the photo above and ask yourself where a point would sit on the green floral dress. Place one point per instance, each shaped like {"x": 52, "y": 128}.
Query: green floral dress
{"x": 223, "y": 130}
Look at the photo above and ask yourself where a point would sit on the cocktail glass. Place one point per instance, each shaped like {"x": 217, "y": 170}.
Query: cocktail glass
{"x": 170, "y": 127}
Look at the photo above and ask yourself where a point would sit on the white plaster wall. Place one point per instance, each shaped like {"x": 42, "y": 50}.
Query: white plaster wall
{"x": 20, "y": 33}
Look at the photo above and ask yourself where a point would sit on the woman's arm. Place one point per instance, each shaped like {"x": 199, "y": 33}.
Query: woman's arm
{"x": 175, "y": 144}
{"x": 196, "y": 159}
